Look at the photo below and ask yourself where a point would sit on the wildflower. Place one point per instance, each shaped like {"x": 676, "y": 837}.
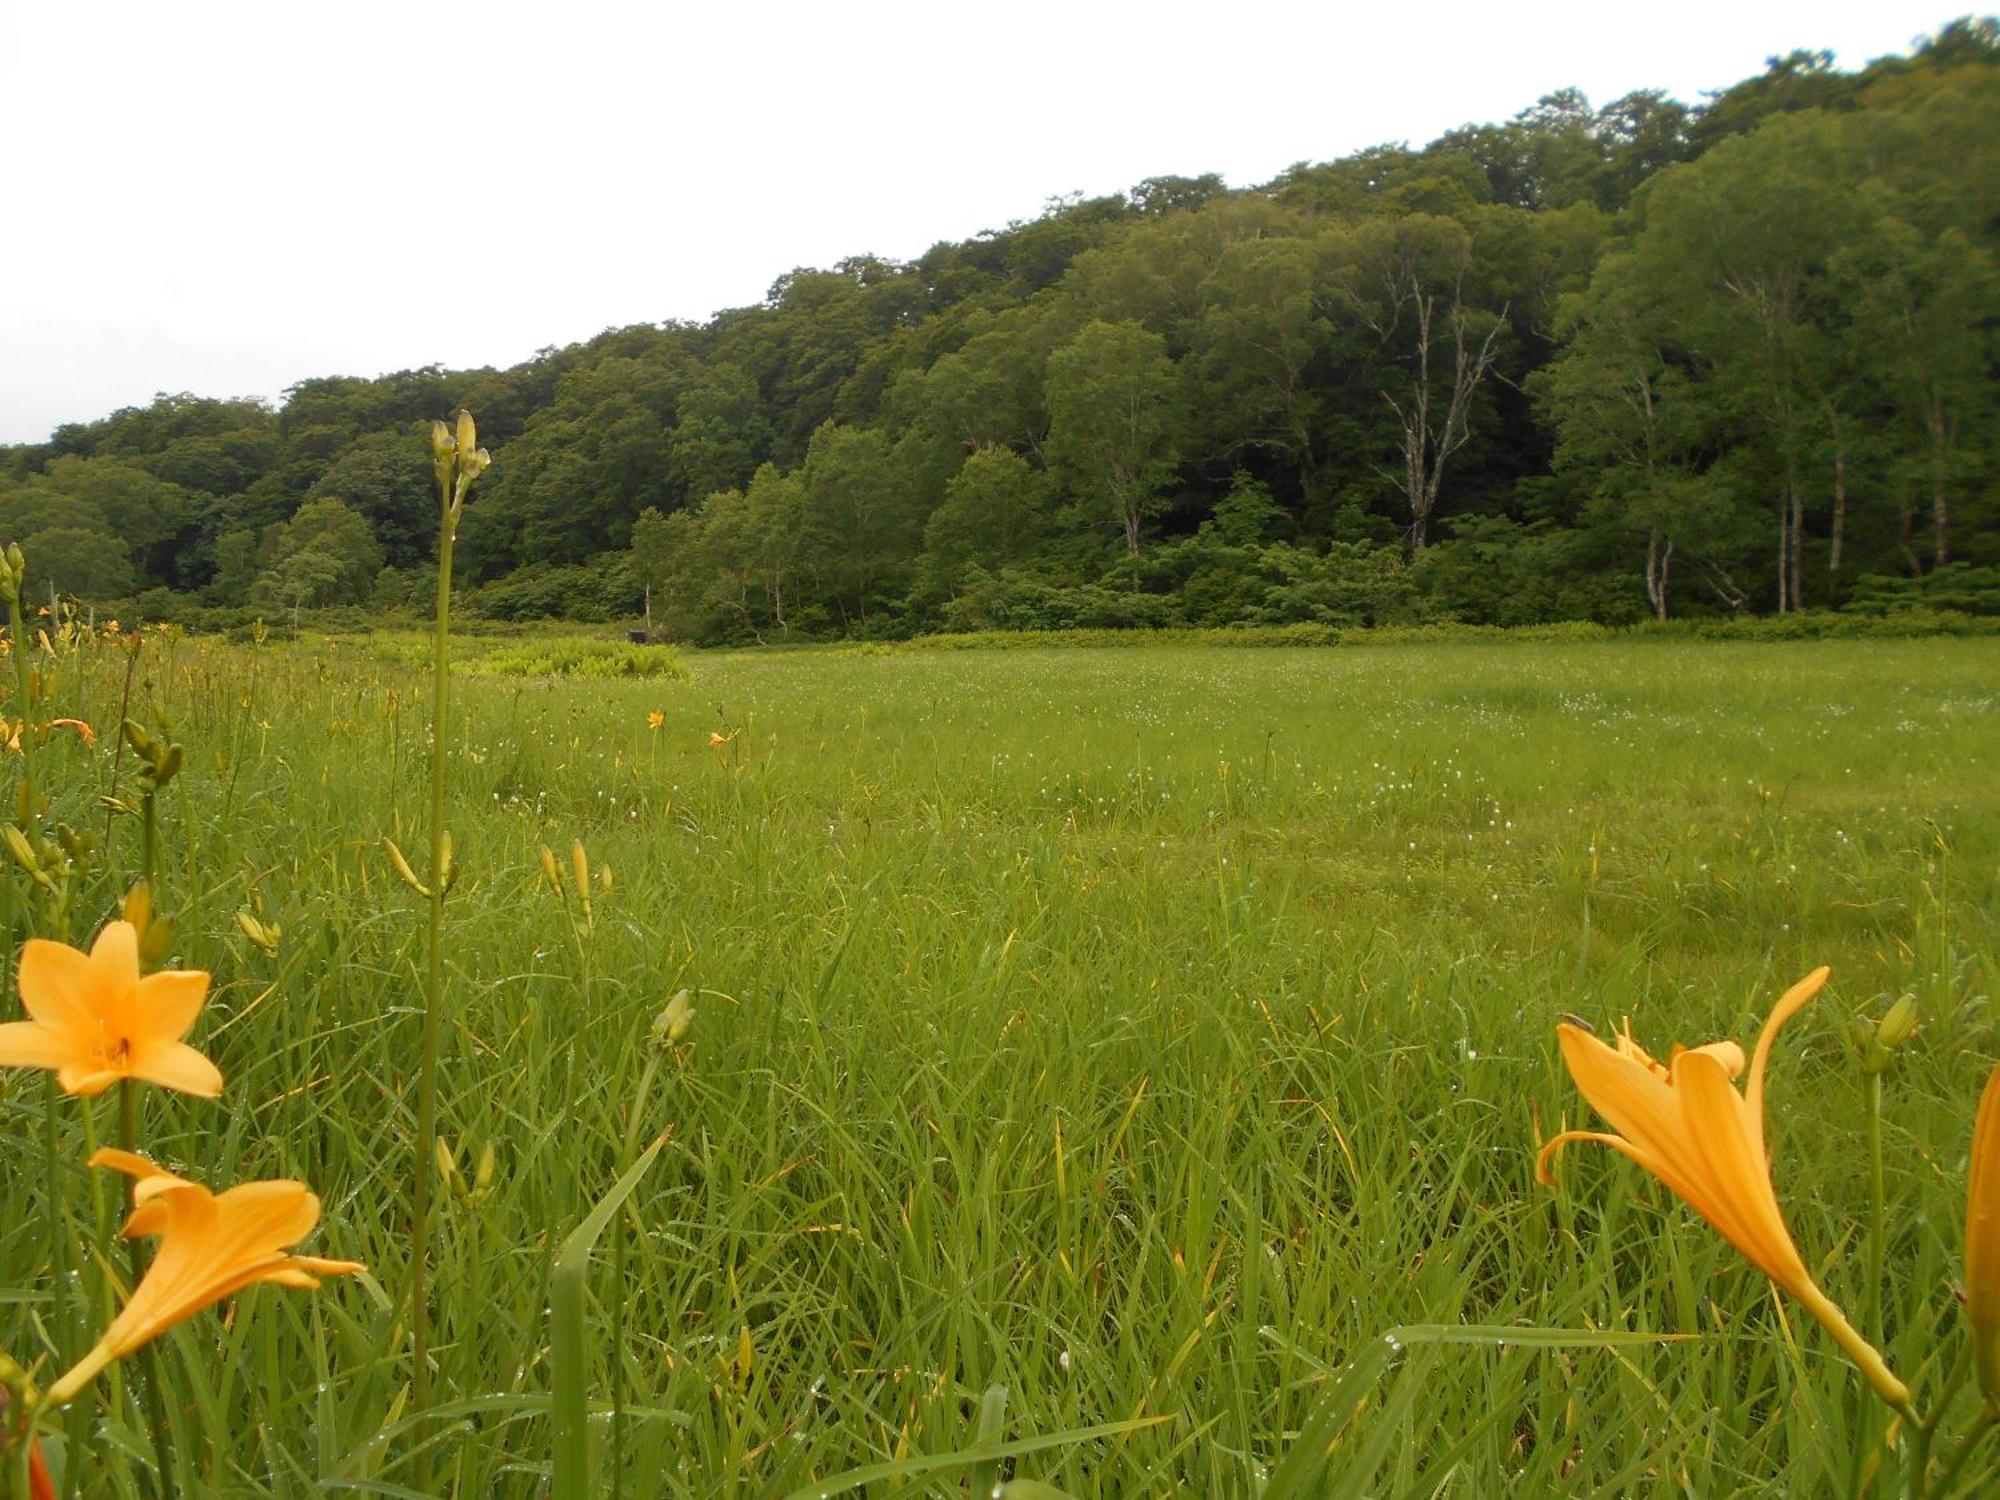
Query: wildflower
{"x": 1686, "y": 1124}
{"x": 95, "y": 1019}
{"x": 1982, "y": 1239}
{"x": 655, "y": 719}
{"x": 716, "y": 739}
{"x": 210, "y": 1247}
{"x": 80, "y": 729}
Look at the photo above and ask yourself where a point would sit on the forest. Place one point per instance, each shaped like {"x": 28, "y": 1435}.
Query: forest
{"x": 1644, "y": 360}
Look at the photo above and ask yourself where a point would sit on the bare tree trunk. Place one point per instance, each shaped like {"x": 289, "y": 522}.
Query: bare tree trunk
{"x": 1429, "y": 445}
{"x": 1839, "y": 507}
{"x": 1795, "y": 555}
{"x": 1940, "y": 504}
{"x": 1725, "y": 587}
{"x": 1785, "y": 557}
{"x": 1659, "y": 557}
{"x": 1905, "y": 519}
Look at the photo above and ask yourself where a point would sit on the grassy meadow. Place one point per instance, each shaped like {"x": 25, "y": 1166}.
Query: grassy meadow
{"x": 1145, "y": 1031}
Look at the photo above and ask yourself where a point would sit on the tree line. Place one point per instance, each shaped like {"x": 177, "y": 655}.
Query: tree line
{"x": 1592, "y": 363}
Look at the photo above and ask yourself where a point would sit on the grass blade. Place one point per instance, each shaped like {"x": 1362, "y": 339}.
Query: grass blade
{"x": 570, "y": 1479}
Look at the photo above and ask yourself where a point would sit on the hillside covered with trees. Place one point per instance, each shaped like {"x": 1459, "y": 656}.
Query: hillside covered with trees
{"x": 1648, "y": 359}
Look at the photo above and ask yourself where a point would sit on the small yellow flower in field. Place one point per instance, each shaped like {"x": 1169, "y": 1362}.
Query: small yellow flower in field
{"x": 1982, "y": 1239}
{"x": 210, "y": 1247}
{"x": 80, "y": 729}
{"x": 655, "y": 719}
{"x": 95, "y": 1019}
{"x": 1686, "y": 1124}
{"x": 716, "y": 739}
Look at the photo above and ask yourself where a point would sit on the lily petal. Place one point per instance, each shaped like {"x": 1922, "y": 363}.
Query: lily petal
{"x": 171, "y": 999}
{"x": 115, "y": 954}
{"x": 1789, "y": 1004}
{"x": 32, "y": 1044}
{"x": 176, "y": 1065}
{"x": 56, "y": 982}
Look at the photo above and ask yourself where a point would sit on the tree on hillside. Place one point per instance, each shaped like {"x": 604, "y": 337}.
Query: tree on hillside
{"x": 859, "y": 522}
{"x": 1636, "y": 434}
{"x": 1406, "y": 281}
{"x": 324, "y": 555}
{"x": 720, "y": 433}
{"x": 1115, "y": 421}
{"x": 77, "y": 560}
{"x": 386, "y": 477}
{"x": 997, "y": 510}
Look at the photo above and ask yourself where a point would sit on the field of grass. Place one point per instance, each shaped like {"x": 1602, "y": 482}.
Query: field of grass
{"x": 1147, "y": 1032}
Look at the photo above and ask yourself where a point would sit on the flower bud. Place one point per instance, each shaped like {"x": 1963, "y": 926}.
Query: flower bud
{"x": 23, "y": 851}
{"x": 156, "y": 941}
{"x": 265, "y": 935}
{"x": 1878, "y": 1040}
{"x": 403, "y": 870}
{"x": 447, "y": 1161}
{"x": 486, "y": 1170}
{"x": 673, "y": 1023}
{"x": 443, "y": 450}
{"x": 579, "y": 864}
{"x": 137, "y": 908}
{"x": 1899, "y": 1024}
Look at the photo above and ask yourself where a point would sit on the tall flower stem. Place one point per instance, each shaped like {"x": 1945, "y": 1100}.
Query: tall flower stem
{"x": 458, "y": 461}
{"x": 420, "y": 1376}
{"x": 1877, "y": 1199}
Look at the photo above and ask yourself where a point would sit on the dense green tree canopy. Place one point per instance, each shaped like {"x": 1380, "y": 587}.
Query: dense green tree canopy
{"x": 1603, "y": 361}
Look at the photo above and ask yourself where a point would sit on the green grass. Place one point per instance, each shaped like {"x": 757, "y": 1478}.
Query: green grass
{"x": 1144, "y": 1031}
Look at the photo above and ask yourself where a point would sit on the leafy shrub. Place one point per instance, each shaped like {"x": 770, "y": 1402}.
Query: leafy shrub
{"x": 1494, "y": 571}
{"x": 1960, "y": 587}
{"x": 580, "y": 656}
{"x": 1012, "y": 600}
{"x": 591, "y": 592}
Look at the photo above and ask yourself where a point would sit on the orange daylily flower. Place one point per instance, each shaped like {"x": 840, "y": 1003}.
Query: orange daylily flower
{"x": 1686, "y": 1124}
{"x": 82, "y": 730}
{"x": 1982, "y": 1239}
{"x": 210, "y": 1247}
{"x": 95, "y": 1019}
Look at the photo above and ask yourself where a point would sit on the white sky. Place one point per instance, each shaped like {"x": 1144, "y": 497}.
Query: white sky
{"x": 227, "y": 198}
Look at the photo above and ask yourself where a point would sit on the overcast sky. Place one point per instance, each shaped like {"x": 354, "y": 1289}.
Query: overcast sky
{"x": 227, "y": 198}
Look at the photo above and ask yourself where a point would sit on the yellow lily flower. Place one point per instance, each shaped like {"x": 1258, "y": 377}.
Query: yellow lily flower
{"x": 1982, "y": 1239}
{"x": 95, "y": 1019}
{"x": 1686, "y": 1124}
{"x": 210, "y": 1247}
